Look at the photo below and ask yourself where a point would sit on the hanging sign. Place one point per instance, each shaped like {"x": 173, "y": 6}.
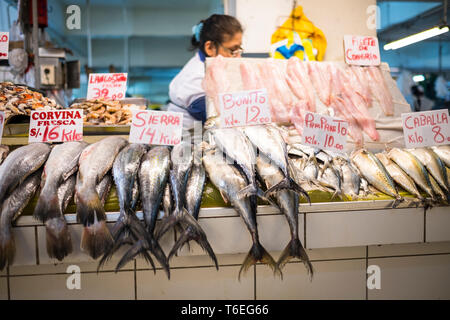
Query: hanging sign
{"x": 361, "y": 50}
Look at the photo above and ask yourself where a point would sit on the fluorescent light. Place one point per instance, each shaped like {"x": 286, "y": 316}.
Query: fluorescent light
{"x": 418, "y": 78}
{"x": 416, "y": 38}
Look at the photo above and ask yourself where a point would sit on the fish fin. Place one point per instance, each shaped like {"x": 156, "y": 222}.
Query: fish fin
{"x": 224, "y": 197}
{"x": 166, "y": 224}
{"x": 96, "y": 239}
{"x": 258, "y": 253}
{"x": 247, "y": 191}
{"x": 7, "y": 248}
{"x": 294, "y": 249}
{"x": 289, "y": 184}
{"x": 138, "y": 248}
{"x": 157, "y": 251}
{"x": 397, "y": 201}
{"x": 59, "y": 242}
{"x": 47, "y": 207}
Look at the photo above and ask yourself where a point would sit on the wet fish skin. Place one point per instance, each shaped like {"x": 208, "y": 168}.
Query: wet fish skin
{"x": 438, "y": 190}
{"x": 433, "y": 164}
{"x": 413, "y": 168}
{"x": 330, "y": 177}
{"x": 10, "y": 210}
{"x": 287, "y": 201}
{"x": 229, "y": 181}
{"x": 399, "y": 176}
{"x": 194, "y": 190}
{"x": 19, "y": 164}
{"x": 374, "y": 172}
{"x": 167, "y": 201}
{"x": 95, "y": 161}
{"x": 351, "y": 181}
{"x": 443, "y": 153}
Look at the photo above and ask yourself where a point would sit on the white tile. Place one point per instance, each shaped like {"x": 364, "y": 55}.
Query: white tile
{"x": 106, "y": 285}
{"x": 344, "y": 279}
{"x": 3, "y": 288}
{"x": 24, "y": 238}
{"x": 204, "y": 260}
{"x": 409, "y": 249}
{"x": 419, "y": 277}
{"x": 274, "y": 232}
{"x": 196, "y": 284}
{"x": 360, "y": 228}
{"x": 438, "y": 224}
{"x": 336, "y": 253}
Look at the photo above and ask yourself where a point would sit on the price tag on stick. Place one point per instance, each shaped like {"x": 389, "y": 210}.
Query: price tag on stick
{"x": 156, "y": 127}
{"x": 427, "y": 128}
{"x": 4, "y": 45}
{"x": 2, "y": 123}
{"x": 324, "y": 132}
{"x": 108, "y": 86}
{"x": 244, "y": 108}
{"x": 56, "y": 126}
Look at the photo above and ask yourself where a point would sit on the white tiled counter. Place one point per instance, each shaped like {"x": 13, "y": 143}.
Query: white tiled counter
{"x": 342, "y": 240}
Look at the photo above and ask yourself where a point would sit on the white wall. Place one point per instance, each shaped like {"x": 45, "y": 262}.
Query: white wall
{"x": 335, "y": 18}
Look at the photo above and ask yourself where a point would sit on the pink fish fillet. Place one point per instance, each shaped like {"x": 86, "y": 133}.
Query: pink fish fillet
{"x": 297, "y": 71}
{"x": 380, "y": 90}
{"x": 355, "y": 84}
{"x": 215, "y": 80}
{"x": 297, "y": 115}
{"x": 319, "y": 75}
{"x": 250, "y": 76}
{"x": 364, "y": 83}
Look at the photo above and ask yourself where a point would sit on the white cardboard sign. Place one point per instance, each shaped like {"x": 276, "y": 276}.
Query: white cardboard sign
{"x": 108, "y": 86}
{"x": 361, "y": 50}
{"x": 4, "y": 45}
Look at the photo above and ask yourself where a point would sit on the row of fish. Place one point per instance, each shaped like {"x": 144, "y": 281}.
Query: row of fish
{"x": 346, "y": 91}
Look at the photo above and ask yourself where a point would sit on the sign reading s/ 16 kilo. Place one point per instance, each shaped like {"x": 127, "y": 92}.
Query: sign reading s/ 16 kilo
{"x": 361, "y": 50}
{"x": 244, "y": 108}
{"x": 427, "y": 128}
{"x": 56, "y": 126}
{"x": 324, "y": 132}
{"x": 109, "y": 86}
{"x": 156, "y": 127}
{"x": 4, "y": 45}
{"x": 2, "y": 123}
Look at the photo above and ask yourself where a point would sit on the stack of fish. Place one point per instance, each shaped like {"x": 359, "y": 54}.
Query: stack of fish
{"x": 19, "y": 100}
{"x": 297, "y": 87}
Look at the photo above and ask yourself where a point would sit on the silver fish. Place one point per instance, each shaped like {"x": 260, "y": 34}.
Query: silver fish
{"x": 61, "y": 164}
{"x": 237, "y": 147}
{"x": 10, "y": 210}
{"x": 413, "y": 168}
{"x": 443, "y": 153}
{"x": 329, "y": 177}
{"x": 437, "y": 190}
{"x": 351, "y": 180}
{"x": 21, "y": 163}
{"x": 167, "y": 201}
{"x": 375, "y": 173}
{"x": 433, "y": 164}
{"x": 229, "y": 181}
{"x": 95, "y": 161}
{"x": 4, "y": 150}
{"x": 287, "y": 202}
{"x": 269, "y": 142}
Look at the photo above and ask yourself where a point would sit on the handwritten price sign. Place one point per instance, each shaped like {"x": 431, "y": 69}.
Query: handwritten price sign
{"x": 324, "y": 132}
{"x": 4, "y": 45}
{"x": 361, "y": 51}
{"x": 156, "y": 127}
{"x": 108, "y": 86}
{"x": 2, "y": 123}
{"x": 427, "y": 128}
{"x": 244, "y": 108}
{"x": 56, "y": 126}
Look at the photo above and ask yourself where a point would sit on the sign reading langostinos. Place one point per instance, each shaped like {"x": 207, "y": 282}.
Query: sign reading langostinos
{"x": 324, "y": 132}
{"x": 244, "y": 108}
{"x": 108, "y": 86}
{"x": 427, "y": 128}
{"x": 56, "y": 126}
{"x": 156, "y": 127}
{"x": 4, "y": 45}
{"x": 2, "y": 123}
{"x": 361, "y": 50}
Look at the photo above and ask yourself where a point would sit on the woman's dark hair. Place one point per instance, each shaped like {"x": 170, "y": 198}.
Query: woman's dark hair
{"x": 215, "y": 29}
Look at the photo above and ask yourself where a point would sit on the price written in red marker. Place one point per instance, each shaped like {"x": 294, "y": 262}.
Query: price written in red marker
{"x": 325, "y": 132}
{"x": 2, "y": 123}
{"x": 4, "y": 45}
{"x": 427, "y": 128}
{"x": 56, "y": 126}
{"x": 108, "y": 86}
{"x": 244, "y": 108}
{"x": 156, "y": 127}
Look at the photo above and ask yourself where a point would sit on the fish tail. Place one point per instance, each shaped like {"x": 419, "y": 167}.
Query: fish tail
{"x": 247, "y": 191}
{"x": 193, "y": 232}
{"x": 47, "y": 206}
{"x": 258, "y": 253}
{"x": 59, "y": 241}
{"x": 96, "y": 239}
{"x": 7, "y": 248}
{"x": 289, "y": 184}
{"x": 157, "y": 251}
{"x": 166, "y": 224}
{"x": 294, "y": 249}
{"x": 138, "y": 248}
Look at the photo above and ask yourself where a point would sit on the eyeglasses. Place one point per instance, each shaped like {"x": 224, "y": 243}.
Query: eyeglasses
{"x": 234, "y": 53}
